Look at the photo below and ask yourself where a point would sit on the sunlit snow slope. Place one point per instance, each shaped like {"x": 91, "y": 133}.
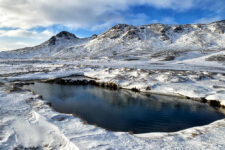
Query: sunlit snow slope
{"x": 153, "y": 41}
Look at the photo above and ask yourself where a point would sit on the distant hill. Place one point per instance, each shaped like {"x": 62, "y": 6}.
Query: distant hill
{"x": 153, "y": 41}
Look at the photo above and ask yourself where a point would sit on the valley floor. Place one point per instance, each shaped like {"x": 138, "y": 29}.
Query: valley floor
{"x": 27, "y": 122}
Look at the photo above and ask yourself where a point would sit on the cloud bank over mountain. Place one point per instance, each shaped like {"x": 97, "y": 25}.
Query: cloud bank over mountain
{"x": 99, "y": 15}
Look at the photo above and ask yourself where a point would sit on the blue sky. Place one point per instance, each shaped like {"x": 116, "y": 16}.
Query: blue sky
{"x": 30, "y": 22}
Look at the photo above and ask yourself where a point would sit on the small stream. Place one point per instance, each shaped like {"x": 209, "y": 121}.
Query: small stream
{"x": 124, "y": 110}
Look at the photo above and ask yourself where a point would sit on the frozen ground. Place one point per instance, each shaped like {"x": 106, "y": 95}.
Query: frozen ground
{"x": 27, "y": 122}
{"x": 205, "y": 81}
{"x": 185, "y": 60}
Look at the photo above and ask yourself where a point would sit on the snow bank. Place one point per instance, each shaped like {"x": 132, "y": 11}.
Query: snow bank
{"x": 27, "y": 122}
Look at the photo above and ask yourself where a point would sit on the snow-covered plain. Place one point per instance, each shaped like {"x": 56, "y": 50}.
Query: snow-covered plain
{"x": 186, "y": 60}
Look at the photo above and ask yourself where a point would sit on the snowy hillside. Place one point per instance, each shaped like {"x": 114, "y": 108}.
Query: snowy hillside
{"x": 179, "y": 60}
{"x": 130, "y": 42}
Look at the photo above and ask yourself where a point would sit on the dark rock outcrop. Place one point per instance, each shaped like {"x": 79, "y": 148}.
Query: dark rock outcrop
{"x": 63, "y": 34}
{"x": 66, "y": 35}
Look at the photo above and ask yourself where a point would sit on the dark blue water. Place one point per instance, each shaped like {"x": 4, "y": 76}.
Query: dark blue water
{"x": 124, "y": 110}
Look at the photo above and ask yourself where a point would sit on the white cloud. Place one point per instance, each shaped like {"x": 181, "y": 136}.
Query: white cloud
{"x": 19, "y": 38}
{"x": 86, "y": 14}
{"x": 22, "y": 44}
{"x": 7, "y": 45}
{"x": 25, "y": 33}
{"x": 173, "y": 4}
{"x": 207, "y": 20}
{"x": 137, "y": 19}
{"x": 73, "y": 13}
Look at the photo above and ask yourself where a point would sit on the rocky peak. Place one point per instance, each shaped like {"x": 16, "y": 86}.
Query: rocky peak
{"x": 178, "y": 29}
{"x": 94, "y": 36}
{"x": 157, "y": 28}
{"x": 66, "y": 35}
{"x": 118, "y": 30}
{"x": 219, "y": 26}
{"x": 120, "y": 26}
{"x": 63, "y": 34}
{"x": 219, "y": 22}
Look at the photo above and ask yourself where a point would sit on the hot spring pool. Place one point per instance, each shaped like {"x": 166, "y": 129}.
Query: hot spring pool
{"x": 124, "y": 110}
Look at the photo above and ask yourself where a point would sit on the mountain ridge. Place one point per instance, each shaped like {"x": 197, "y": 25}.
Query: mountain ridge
{"x": 124, "y": 40}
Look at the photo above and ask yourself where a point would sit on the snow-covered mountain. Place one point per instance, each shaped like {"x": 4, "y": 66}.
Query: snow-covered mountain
{"x": 181, "y": 60}
{"x": 131, "y": 42}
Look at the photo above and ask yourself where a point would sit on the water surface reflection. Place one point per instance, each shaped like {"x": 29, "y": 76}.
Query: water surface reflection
{"x": 124, "y": 110}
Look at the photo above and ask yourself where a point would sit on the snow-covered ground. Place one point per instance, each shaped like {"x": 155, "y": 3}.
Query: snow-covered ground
{"x": 27, "y": 122}
{"x": 203, "y": 81}
{"x": 183, "y": 60}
